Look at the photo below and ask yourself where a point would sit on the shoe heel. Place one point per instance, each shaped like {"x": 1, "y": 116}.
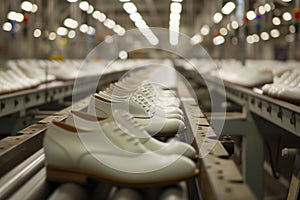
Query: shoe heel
{"x": 61, "y": 175}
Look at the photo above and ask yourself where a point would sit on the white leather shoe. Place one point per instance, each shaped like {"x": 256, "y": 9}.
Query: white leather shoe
{"x": 76, "y": 155}
{"x": 152, "y": 123}
{"x": 91, "y": 122}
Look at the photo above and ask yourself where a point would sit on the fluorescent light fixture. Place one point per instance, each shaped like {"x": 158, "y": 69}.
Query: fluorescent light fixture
{"x": 251, "y": 15}
{"x": 234, "y": 24}
{"x": 250, "y": 39}
{"x": 287, "y": 16}
{"x": 228, "y": 8}
{"x": 175, "y": 7}
{"x": 196, "y": 39}
{"x": 12, "y": 15}
{"x": 149, "y": 35}
{"x": 124, "y": 1}
{"x": 286, "y": 1}
{"x": 268, "y": 7}
{"x": 276, "y": 21}
{"x": 177, "y": 0}
{"x": 135, "y": 16}
{"x": 121, "y": 32}
{"x": 90, "y": 9}
{"x": 275, "y": 33}
{"x": 52, "y": 36}
{"x": 173, "y": 37}
{"x": 255, "y": 38}
{"x": 123, "y": 55}
{"x": 205, "y": 30}
{"x": 71, "y": 34}
{"x": 264, "y": 36}
{"x": 261, "y": 10}
{"x": 26, "y": 6}
{"x": 174, "y": 23}
{"x": 140, "y": 24}
{"x": 19, "y": 17}
{"x": 109, "y": 23}
{"x": 37, "y": 33}
{"x": 217, "y": 17}
{"x": 83, "y": 28}
{"x": 96, "y": 14}
{"x": 292, "y": 29}
{"x": 223, "y": 31}
{"x": 218, "y": 40}
{"x": 72, "y": 1}
{"x": 7, "y": 26}
{"x": 70, "y": 23}
{"x": 34, "y": 8}
{"x": 84, "y": 5}
{"x": 91, "y": 30}
{"x": 129, "y": 7}
{"x": 174, "y": 16}
{"x": 62, "y": 31}
{"x": 102, "y": 17}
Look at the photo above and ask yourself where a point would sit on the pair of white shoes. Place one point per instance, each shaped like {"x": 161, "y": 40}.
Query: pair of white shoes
{"x": 285, "y": 86}
{"x": 156, "y": 109}
{"x": 113, "y": 148}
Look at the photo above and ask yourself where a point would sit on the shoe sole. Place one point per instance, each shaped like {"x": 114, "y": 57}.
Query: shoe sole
{"x": 80, "y": 176}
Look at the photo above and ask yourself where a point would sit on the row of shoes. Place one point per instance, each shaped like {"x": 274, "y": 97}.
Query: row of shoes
{"x": 116, "y": 140}
{"x": 285, "y": 86}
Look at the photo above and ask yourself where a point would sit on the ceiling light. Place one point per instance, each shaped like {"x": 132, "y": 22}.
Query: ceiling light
{"x": 275, "y": 33}
{"x": 12, "y": 15}
{"x": 37, "y": 33}
{"x": 123, "y": 55}
{"x": 276, "y": 21}
{"x": 90, "y": 9}
{"x": 205, "y": 30}
{"x": 175, "y": 7}
{"x": 71, "y": 34}
{"x": 255, "y": 38}
{"x": 52, "y": 36}
{"x": 250, "y": 39}
{"x": 174, "y": 23}
{"x": 140, "y": 24}
{"x": 121, "y": 31}
{"x": 251, "y": 15}
{"x": 70, "y": 23}
{"x": 102, "y": 17}
{"x": 109, "y": 23}
{"x": 62, "y": 31}
{"x": 261, "y": 10}
{"x": 117, "y": 28}
{"x": 72, "y": 1}
{"x": 108, "y": 39}
{"x": 7, "y": 26}
{"x": 124, "y": 1}
{"x": 196, "y": 39}
{"x": 177, "y": 0}
{"x": 174, "y": 16}
{"x": 267, "y": 7}
{"x": 34, "y": 8}
{"x": 129, "y": 7}
{"x": 264, "y": 36}
{"x": 228, "y": 8}
{"x": 292, "y": 29}
{"x": 96, "y": 14}
{"x": 223, "y": 31}
{"x": 26, "y": 6}
{"x": 173, "y": 37}
{"x": 135, "y": 16}
{"x": 91, "y": 30}
{"x": 234, "y": 24}
{"x": 287, "y": 16}
{"x": 218, "y": 40}
{"x": 217, "y": 17}
{"x": 286, "y": 1}
{"x": 19, "y": 17}
{"x": 83, "y": 28}
{"x": 84, "y": 5}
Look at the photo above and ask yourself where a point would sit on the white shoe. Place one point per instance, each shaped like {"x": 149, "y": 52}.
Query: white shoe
{"x": 91, "y": 122}
{"x": 76, "y": 155}
{"x": 152, "y": 123}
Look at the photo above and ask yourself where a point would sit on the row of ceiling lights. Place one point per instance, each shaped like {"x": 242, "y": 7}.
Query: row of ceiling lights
{"x": 174, "y": 23}
{"x": 139, "y": 22}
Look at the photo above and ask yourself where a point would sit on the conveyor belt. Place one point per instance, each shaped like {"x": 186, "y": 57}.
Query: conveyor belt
{"x": 281, "y": 113}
